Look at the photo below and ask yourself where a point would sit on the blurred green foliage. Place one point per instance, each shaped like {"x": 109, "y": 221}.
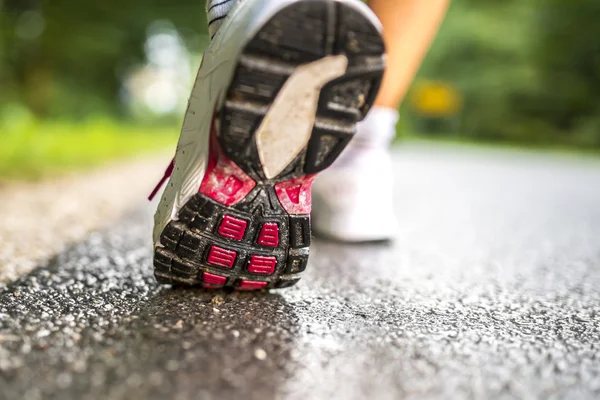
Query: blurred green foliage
{"x": 30, "y": 149}
{"x": 529, "y": 70}
{"x": 68, "y": 57}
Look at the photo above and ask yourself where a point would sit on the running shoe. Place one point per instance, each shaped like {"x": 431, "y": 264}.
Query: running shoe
{"x": 353, "y": 200}
{"x": 276, "y": 99}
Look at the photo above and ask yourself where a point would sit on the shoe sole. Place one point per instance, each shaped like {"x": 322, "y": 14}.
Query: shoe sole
{"x": 315, "y": 68}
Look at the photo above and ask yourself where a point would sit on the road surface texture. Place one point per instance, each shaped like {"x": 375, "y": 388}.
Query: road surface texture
{"x": 40, "y": 219}
{"x": 491, "y": 291}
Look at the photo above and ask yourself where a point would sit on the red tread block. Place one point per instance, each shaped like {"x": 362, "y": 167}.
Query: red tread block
{"x": 269, "y": 235}
{"x": 262, "y": 265}
{"x": 232, "y": 228}
{"x": 221, "y": 257}
{"x": 213, "y": 280}
{"x": 251, "y": 285}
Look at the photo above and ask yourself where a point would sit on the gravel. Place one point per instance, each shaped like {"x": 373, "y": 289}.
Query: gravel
{"x": 40, "y": 219}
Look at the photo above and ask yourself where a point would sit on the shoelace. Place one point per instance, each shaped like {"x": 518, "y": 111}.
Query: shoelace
{"x": 168, "y": 173}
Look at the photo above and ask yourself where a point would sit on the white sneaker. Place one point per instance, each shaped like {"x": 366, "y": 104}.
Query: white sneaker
{"x": 276, "y": 100}
{"x": 354, "y": 203}
{"x": 353, "y": 200}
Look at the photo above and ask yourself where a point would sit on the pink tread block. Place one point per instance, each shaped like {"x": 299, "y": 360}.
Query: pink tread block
{"x": 232, "y": 228}
{"x": 269, "y": 235}
{"x": 262, "y": 265}
{"x": 213, "y": 280}
{"x": 221, "y": 257}
{"x": 251, "y": 285}
{"x": 294, "y": 195}
{"x": 224, "y": 181}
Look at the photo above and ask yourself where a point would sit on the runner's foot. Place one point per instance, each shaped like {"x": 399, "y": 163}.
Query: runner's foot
{"x": 276, "y": 100}
{"x": 353, "y": 200}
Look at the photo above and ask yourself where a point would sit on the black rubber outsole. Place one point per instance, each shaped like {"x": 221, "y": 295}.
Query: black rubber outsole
{"x": 255, "y": 243}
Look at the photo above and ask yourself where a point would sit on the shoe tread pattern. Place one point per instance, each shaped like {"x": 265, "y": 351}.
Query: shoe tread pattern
{"x": 194, "y": 250}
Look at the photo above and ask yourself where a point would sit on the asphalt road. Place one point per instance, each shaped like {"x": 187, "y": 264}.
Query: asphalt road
{"x": 491, "y": 291}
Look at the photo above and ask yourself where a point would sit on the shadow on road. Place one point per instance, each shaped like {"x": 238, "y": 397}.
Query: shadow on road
{"x": 227, "y": 344}
{"x": 94, "y": 324}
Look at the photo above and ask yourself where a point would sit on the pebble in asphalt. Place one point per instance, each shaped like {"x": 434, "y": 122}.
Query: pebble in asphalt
{"x": 492, "y": 290}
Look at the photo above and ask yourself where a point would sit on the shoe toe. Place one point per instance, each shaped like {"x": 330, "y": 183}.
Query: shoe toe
{"x": 356, "y": 215}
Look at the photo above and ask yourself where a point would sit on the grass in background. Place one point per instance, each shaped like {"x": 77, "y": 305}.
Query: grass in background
{"x": 32, "y": 150}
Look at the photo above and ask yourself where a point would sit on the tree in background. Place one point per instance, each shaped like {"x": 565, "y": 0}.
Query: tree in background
{"x": 567, "y": 54}
{"x": 528, "y": 70}
{"x": 67, "y": 57}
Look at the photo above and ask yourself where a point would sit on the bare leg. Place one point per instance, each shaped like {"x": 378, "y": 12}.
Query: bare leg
{"x": 409, "y": 27}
